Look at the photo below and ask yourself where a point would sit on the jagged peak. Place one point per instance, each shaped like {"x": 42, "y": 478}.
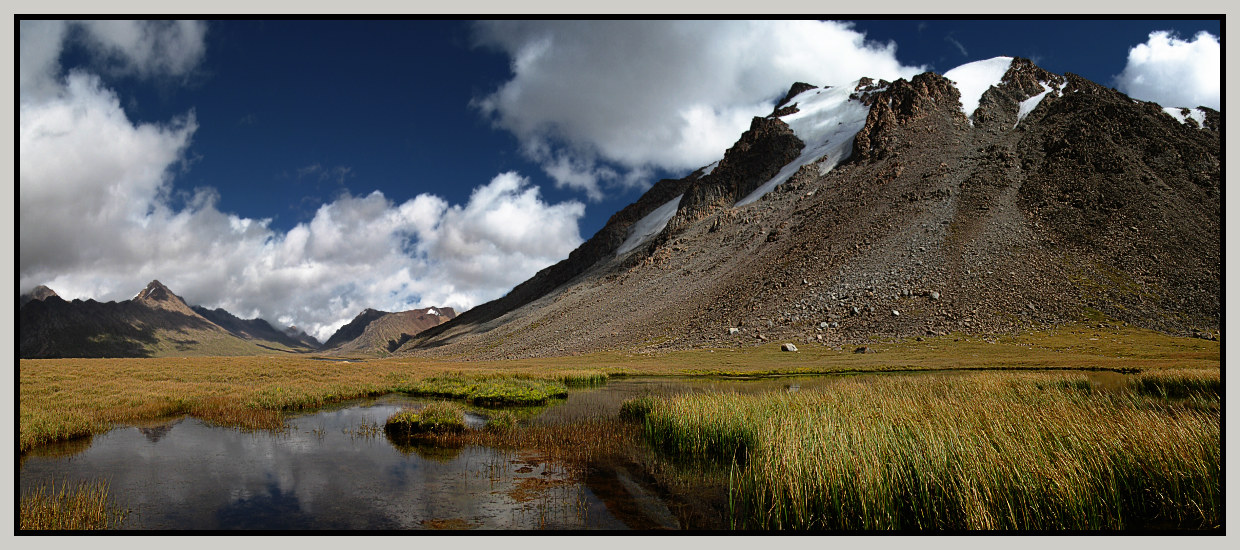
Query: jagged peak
{"x": 156, "y": 291}
{"x": 797, "y": 88}
{"x": 40, "y": 292}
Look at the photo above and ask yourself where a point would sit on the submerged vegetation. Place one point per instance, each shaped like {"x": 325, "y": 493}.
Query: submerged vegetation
{"x": 988, "y": 451}
{"x": 69, "y": 507}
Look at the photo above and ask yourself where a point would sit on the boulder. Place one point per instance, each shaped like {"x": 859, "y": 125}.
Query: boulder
{"x": 787, "y": 347}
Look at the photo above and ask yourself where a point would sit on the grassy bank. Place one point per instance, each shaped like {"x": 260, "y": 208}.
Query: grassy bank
{"x": 988, "y": 451}
{"x": 69, "y": 507}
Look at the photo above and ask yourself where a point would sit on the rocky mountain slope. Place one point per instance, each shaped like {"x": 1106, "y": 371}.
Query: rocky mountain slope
{"x": 156, "y": 322}
{"x": 375, "y": 332}
{"x": 991, "y": 199}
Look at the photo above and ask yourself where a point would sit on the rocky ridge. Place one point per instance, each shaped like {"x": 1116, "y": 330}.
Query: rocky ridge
{"x": 1059, "y": 200}
{"x": 375, "y": 332}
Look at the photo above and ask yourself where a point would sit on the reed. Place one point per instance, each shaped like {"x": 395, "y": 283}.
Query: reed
{"x": 84, "y": 506}
{"x": 1180, "y": 384}
{"x": 988, "y": 451}
{"x": 583, "y": 378}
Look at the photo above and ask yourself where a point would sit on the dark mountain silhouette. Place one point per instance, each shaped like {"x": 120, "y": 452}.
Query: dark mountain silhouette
{"x": 156, "y": 322}
{"x": 256, "y": 329}
{"x": 894, "y": 213}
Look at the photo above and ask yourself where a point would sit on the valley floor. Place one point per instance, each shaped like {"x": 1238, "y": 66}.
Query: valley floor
{"x": 62, "y": 399}
{"x": 1021, "y": 440}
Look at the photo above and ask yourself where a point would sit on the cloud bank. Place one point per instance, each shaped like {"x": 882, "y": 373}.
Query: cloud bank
{"x": 1174, "y": 72}
{"x": 97, "y": 219}
{"x": 601, "y": 104}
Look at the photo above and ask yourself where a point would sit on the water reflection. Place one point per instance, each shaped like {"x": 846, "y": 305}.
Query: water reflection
{"x": 336, "y": 469}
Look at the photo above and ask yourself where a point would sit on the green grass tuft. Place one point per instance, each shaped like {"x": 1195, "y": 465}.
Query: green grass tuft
{"x": 440, "y": 417}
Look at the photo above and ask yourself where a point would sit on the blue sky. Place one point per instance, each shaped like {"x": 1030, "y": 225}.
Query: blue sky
{"x": 302, "y": 171}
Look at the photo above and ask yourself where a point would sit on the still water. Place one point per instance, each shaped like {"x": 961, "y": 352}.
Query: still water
{"x": 336, "y": 469}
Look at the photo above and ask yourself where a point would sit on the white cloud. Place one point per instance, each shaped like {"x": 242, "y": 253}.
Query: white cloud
{"x": 143, "y": 48}
{"x": 1174, "y": 72}
{"x": 147, "y": 48}
{"x": 673, "y": 95}
{"x": 97, "y": 220}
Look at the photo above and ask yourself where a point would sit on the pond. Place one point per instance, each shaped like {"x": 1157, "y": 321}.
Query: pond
{"x": 336, "y": 469}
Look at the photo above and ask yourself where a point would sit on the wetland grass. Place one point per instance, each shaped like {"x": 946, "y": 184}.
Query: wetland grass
{"x": 491, "y": 390}
{"x": 438, "y": 417}
{"x": 61, "y": 399}
{"x": 85, "y": 506}
{"x": 1180, "y": 384}
{"x": 989, "y": 451}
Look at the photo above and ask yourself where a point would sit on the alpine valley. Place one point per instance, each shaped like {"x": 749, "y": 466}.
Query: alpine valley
{"x": 992, "y": 199}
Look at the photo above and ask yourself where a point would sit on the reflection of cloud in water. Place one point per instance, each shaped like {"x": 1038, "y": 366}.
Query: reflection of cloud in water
{"x": 317, "y": 476}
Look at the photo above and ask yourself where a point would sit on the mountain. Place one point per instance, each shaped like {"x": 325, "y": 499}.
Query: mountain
{"x": 38, "y": 293}
{"x": 381, "y": 332}
{"x": 994, "y": 198}
{"x": 256, "y": 329}
{"x": 300, "y": 335}
{"x": 156, "y": 322}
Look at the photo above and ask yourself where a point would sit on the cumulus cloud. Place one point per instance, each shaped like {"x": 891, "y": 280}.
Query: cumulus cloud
{"x": 1174, "y": 72}
{"x": 97, "y": 216}
{"x": 146, "y": 49}
{"x": 596, "y": 102}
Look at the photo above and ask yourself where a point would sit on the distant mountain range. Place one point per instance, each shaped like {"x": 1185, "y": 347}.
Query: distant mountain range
{"x": 158, "y": 323}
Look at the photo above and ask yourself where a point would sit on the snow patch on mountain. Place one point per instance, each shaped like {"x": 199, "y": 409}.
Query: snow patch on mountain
{"x": 649, "y": 226}
{"x": 432, "y": 311}
{"x": 973, "y": 79}
{"x": 1027, "y": 106}
{"x": 710, "y": 168}
{"x": 1183, "y": 115}
{"x": 827, "y": 121}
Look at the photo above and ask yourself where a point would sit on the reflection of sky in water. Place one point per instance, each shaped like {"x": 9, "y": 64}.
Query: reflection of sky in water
{"x": 318, "y": 475}
{"x": 325, "y": 472}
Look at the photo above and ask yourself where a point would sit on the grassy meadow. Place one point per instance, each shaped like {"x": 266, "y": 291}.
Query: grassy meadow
{"x": 63, "y": 399}
{"x": 1023, "y": 443}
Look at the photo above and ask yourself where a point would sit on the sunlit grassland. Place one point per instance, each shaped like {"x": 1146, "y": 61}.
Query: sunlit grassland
{"x": 986, "y": 451}
{"x": 66, "y": 398}
{"x": 69, "y": 507}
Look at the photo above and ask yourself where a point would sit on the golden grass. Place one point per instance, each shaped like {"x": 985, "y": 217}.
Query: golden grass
{"x": 1027, "y": 451}
{"x": 69, "y": 507}
{"x": 66, "y": 398}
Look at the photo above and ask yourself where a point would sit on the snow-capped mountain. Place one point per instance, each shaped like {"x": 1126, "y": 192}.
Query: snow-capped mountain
{"x": 995, "y": 197}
